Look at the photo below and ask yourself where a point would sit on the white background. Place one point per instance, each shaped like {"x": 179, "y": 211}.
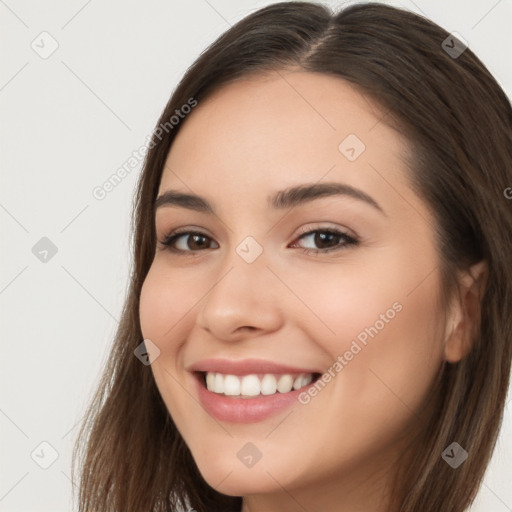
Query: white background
{"x": 67, "y": 123}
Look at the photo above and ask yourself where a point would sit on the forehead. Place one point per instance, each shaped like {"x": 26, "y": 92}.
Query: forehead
{"x": 280, "y": 129}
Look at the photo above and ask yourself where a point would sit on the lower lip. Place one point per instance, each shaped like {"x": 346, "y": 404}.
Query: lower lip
{"x": 245, "y": 410}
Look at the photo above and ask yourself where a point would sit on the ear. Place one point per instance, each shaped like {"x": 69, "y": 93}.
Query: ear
{"x": 465, "y": 315}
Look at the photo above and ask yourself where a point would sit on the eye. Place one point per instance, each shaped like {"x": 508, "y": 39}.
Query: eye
{"x": 186, "y": 241}
{"x": 327, "y": 239}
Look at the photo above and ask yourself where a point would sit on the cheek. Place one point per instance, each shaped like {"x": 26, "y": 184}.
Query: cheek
{"x": 166, "y": 318}
{"x": 386, "y": 306}
{"x": 385, "y": 334}
{"x": 164, "y": 302}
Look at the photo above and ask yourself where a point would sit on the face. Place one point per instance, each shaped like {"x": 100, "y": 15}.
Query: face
{"x": 312, "y": 317}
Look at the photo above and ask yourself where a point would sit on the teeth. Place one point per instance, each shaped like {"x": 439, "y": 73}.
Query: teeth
{"x": 210, "y": 380}
{"x": 219, "y": 383}
{"x": 231, "y": 385}
{"x": 302, "y": 380}
{"x": 285, "y": 384}
{"x": 252, "y": 385}
{"x": 268, "y": 385}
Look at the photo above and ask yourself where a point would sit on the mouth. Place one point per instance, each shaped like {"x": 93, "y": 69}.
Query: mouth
{"x": 255, "y": 385}
{"x": 249, "y": 390}
{"x": 250, "y": 398}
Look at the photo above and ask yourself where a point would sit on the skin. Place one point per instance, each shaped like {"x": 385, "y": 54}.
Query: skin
{"x": 248, "y": 140}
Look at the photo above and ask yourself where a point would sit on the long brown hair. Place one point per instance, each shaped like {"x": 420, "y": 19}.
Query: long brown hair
{"x": 458, "y": 122}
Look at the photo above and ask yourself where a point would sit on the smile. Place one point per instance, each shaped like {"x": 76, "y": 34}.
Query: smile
{"x": 249, "y": 390}
{"x": 249, "y": 386}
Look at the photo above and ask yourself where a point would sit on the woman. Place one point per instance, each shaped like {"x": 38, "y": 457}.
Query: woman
{"x": 321, "y": 277}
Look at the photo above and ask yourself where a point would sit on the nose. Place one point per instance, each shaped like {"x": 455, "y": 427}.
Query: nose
{"x": 242, "y": 302}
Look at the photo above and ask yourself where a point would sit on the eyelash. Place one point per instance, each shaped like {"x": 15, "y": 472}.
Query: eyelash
{"x": 168, "y": 241}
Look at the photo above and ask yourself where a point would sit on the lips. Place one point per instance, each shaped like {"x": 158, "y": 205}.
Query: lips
{"x": 247, "y": 367}
{"x": 249, "y": 390}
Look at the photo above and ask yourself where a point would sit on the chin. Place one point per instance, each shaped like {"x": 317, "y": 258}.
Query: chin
{"x": 228, "y": 474}
{"x": 243, "y": 482}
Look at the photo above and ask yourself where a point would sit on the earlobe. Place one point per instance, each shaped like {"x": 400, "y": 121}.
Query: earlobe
{"x": 465, "y": 315}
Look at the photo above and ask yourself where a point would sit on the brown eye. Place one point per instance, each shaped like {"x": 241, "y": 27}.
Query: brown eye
{"x": 189, "y": 241}
{"x": 327, "y": 240}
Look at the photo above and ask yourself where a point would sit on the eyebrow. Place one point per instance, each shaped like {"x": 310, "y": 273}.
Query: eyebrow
{"x": 282, "y": 199}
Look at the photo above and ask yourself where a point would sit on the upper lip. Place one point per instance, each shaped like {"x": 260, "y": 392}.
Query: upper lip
{"x": 245, "y": 367}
